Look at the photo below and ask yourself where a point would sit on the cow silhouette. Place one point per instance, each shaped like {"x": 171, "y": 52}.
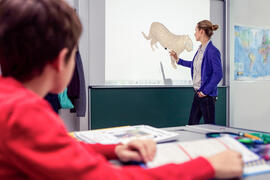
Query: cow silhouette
{"x": 172, "y": 42}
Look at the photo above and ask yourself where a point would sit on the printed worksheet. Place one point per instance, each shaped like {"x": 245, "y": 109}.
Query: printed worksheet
{"x": 184, "y": 151}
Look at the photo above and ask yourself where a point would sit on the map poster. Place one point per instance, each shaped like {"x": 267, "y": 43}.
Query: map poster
{"x": 251, "y": 53}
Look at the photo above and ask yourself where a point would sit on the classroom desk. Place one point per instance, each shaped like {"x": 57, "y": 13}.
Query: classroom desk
{"x": 195, "y": 132}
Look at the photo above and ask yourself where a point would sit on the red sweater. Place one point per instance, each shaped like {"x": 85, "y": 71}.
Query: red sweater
{"x": 35, "y": 145}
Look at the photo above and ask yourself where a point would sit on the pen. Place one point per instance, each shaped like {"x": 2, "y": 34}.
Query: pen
{"x": 245, "y": 140}
{"x": 265, "y": 137}
{"x": 136, "y": 163}
{"x": 250, "y": 136}
{"x": 143, "y": 165}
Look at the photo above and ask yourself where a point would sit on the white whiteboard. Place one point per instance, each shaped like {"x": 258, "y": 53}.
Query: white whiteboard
{"x": 129, "y": 58}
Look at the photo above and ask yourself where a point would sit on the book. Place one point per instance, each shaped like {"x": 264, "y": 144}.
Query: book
{"x": 125, "y": 134}
{"x": 184, "y": 151}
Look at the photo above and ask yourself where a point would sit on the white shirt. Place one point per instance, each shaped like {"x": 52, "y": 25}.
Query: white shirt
{"x": 197, "y": 67}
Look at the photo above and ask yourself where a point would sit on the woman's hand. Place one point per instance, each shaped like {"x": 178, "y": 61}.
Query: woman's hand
{"x": 136, "y": 150}
{"x": 174, "y": 55}
{"x": 200, "y": 94}
{"x": 227, "y": 164}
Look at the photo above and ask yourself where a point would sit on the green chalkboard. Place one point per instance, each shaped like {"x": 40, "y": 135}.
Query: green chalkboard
{"x": 155, "y": 106}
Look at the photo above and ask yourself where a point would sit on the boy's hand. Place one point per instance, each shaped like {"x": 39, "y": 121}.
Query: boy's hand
{"x": 227, "y": 164}
{"x": 136, "y": 150}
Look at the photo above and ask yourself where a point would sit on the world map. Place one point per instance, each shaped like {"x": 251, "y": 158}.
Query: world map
{"x": 251, "y": 53}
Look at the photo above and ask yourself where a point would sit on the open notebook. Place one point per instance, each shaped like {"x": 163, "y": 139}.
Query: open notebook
{"x": 125, "y": 134}
{"x": 185, "y": 151}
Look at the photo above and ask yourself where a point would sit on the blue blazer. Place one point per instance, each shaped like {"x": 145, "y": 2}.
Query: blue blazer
{"x": 211, "y": 72}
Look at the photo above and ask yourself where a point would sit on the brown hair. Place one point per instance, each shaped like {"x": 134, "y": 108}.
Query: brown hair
{"x": 208, "y": 27}
{"x": 32, "y": 34}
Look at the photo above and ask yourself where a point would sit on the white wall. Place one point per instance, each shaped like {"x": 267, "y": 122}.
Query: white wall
{"x": 71, "y": 2}
{"x": 71, "y": 121}
{"x": 83, "y": 10}
{"x": 96, "y": 42}
{"x": 217, "y": 17}
{"x": 249, "y": 101}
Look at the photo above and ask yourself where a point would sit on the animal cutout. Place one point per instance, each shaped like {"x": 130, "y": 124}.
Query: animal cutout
{"x": 178, "y": 43}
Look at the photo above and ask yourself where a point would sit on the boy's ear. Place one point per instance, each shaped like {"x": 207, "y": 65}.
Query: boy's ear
{"x": 60, "y": 61}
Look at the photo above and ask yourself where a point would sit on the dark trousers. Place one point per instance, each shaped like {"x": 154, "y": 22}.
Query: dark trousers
{"x": 205, "y": 107}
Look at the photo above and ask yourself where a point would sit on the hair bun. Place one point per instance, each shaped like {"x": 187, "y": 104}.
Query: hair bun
{"x": 214, "y": 27}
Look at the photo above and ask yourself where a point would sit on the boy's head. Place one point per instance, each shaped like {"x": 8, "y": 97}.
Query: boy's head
{"x": 33, "y": 33}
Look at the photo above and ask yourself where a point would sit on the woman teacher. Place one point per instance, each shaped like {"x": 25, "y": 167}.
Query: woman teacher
{"x": 206, "y": 73}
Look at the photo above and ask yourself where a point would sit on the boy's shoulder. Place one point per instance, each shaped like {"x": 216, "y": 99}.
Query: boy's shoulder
{"x": 20, "y": 104}
{"x": 13, "y": 92}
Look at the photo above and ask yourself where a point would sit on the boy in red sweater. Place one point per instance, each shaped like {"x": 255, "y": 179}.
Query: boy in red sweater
{"x": 37, "y": 48}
